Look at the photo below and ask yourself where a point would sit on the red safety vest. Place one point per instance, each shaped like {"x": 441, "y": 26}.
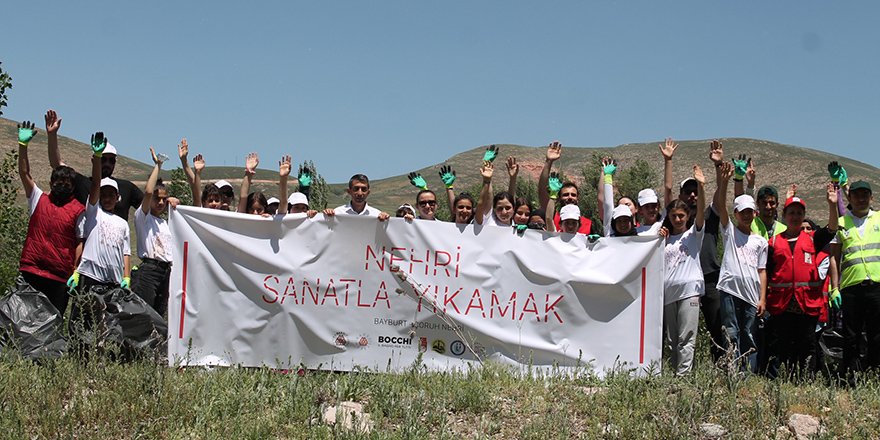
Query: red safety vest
{"x": 795, "y": 274}
{"x": 50, "y": 247}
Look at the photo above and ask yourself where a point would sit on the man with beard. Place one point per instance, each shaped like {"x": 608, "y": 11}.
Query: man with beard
{"x": 51, "y": 248}
{"x": 710, "y": 302}
{"x": 130, "y": 196}
{"x": 568, "y": 193}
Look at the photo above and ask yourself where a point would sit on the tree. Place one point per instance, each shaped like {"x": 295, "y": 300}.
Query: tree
{"x": 319, "y": 190}
{"x": 13, "y": 221}
{"x": 5, "y": 83}
{"x": 179, "y": 187}
{"x": 635, "y": 178}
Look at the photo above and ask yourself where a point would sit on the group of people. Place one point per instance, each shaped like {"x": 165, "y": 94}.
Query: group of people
{"x": 786, "y": 272}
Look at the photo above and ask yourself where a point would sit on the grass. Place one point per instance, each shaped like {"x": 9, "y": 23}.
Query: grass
{"x": 69, "y": 398}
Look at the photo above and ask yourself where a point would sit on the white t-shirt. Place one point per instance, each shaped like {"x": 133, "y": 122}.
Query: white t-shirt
{"x": 368, "y": 211}
{"x": 490, "y": 219}
{"x": 744, "y": 254}
{"x": 650, "y": 229}
{"x": 684, "y": 274}
{"x": 107, "y": 241}
{"x": 153, "y": 236}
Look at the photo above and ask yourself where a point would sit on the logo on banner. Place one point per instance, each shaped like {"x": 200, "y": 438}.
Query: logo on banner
{"x": 340, "y": 340}
{"x": 423, "y": 344}
{"x": 439, "y": 346}
{"x": 363, "y": 341}
{"x": 457, "y": 348}
{"x": 394, "y": 341}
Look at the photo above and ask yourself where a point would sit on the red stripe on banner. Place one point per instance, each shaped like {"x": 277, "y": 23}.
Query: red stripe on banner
{"x": 183, "y": 297}
{"x": 642, "y": 333}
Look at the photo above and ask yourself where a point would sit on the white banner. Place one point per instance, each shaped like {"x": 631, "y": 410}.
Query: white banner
{"x": 352, "y": 292}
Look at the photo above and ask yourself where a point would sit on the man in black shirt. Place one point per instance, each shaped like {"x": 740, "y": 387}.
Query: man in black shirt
{"x": 130, "y": 196}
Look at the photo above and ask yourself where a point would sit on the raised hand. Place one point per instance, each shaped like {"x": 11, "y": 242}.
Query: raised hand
{"x": 26, "y": 132}
{"x": 158, "y": 159}
{"x": 512, "y": 167}
{"x": 304, "y": 177}
{"x": 668, "y": 149}
{"x": 284, "y": 166}
{"x": 554, "y": 151}
{"x": 198, "y": 164}
{"x": 838, "y": 173}
{"x": 183, "y": 149}
{"x": 609, "y": 166}
{"x": 716, "y": 151}
{"x": 831, "y": 194}
{"x": 491, "y": 153}
{"x": 447, "y": 175}
{"x": 740, "y": 165}
{"x": 486, "y": 171}
{"x": 726, "y": 170}
{"x": 53, "y": 122}
{"x": 750, "y": 174}
{"x": 251, "y": 162}
{"x": 554, "y": 185}
{"x": 792, "y": 191}
{"x": 99, "y": 143}
{"x": 698, "y": 175}
{"x": 417, "y": 181}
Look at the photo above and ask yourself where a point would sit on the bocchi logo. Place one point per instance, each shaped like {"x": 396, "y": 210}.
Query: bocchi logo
{"x": 394, "y": 340}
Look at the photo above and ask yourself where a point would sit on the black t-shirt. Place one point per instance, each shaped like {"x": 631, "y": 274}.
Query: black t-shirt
{"x": 131, "y": 195}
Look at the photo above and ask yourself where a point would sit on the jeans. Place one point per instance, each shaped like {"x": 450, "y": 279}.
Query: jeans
{"x": 739, "y": 320}
{"x": 710, "y": 306}
{"x": 150, "y": 282}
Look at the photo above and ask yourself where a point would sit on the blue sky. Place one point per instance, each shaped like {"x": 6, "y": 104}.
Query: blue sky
{"x": 388, "y": 87}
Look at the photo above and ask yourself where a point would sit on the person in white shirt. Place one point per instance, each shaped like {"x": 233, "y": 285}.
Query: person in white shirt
{"x": 106, "y": 258}
{"x": 154, "y": 240}
{"x": 649, "y": 204}
{"x": 683, "y": 285}
{"x": 742, "y": 282}
{"x": 358, "y": 190}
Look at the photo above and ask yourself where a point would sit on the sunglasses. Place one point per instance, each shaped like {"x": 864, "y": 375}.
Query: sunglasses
{"x": 428, "y": 203}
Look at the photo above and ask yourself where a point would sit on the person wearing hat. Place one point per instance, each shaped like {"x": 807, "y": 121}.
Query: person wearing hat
{"x": 855, "y": 278}
{"x": 569, "y": 220}
{"x": 710, "y": 302}
{"x": 130, "y": 196}
{"x": 566, "y": 193}
{"x": 649, "y": 210}
{"x": 106, "y": 257}
{"x": 272, "y": 205}
{"x": 51, "y": 246}
{"x": 298, "y": 203}
{"x": 794, "y": 291}
{"x": 405, "y": 211}
{"x": 742, "y": 282}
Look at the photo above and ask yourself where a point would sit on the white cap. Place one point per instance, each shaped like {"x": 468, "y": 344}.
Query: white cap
{"x": 109, "y": 182}
{"x": 298, "y": 198}
{"x": 570, "y": 212}
{"x": 272, "y": 200}
{"x": 221, "y": 183}
{"x": 685, "y": 181}
{"x": 408, "y": 207}
{"x": 744, "y": 201}
{"x": 621, "y": 211}
{"x": 647, "y": 196}
{"x": 109, "y": 149}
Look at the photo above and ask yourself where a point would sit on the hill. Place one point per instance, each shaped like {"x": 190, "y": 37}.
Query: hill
{"x": 776, "y": 164}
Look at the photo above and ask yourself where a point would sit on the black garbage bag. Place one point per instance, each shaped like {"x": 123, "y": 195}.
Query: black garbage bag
{"x": 30, "y": 324}
{"x": 116, "y": 322}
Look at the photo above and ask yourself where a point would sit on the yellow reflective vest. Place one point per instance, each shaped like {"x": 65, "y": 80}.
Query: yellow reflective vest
{"x": 758, "y": 227}
{"x": 859, "y": 254}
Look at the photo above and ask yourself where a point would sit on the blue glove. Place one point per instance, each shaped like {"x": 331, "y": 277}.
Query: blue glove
{"x": 99, "y": 143}
{"x": 126, "y": 283}
{"x": 447, "y": 175}
{"x": 593, "y": 237}
{"x": 740, "y": 166}
{"x": 609, "y": 169}
{"x": 554, "y": 185}
{"x": 72, "y": 282}
{"x": 305, "y": 177}
{"x": 491, "y": 153}
{"x": 838, "y": 173}
{"x": 834, "y": 299}
{"x": 417, "y": 181}
{"x": 521, "y": 228}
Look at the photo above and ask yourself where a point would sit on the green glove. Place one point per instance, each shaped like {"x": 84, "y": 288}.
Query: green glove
{"x": 740, "y": 165}
{"x": 99, "y": 143}
{"x": 305, "y": 177}
{"x": 609, "y": 170}
{"x": 491, "y": 153}
{"x": 417, "y": 181}
{"x": 447, "y": 175}
{"x": 593, "y": 237}
{"x": 72, "y": 282}
{"x": 26, "y": 132}
{"x": 838, "y": 173}
{"x": 521, "y": 228}
{"x": 126, "y": 283}
{"x": 554, "y": 185}
{"x": 834, "y": 299}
